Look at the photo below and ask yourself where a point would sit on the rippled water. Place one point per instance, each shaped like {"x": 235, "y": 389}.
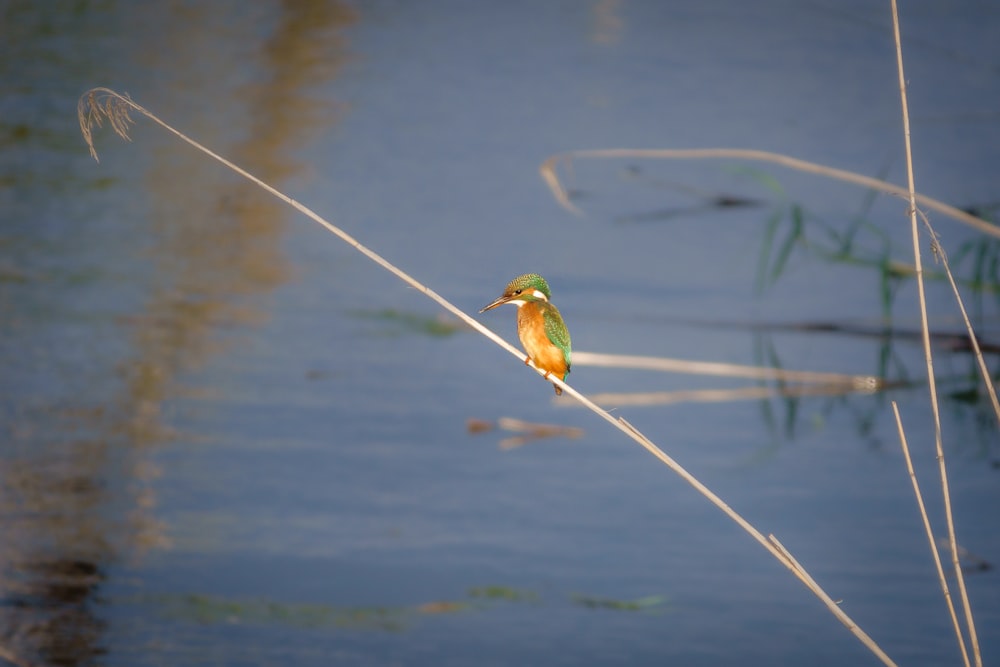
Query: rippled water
{"x": 228, "y": 438}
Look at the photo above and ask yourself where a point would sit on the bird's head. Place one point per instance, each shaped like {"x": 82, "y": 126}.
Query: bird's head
{"x": 521, "y": 290}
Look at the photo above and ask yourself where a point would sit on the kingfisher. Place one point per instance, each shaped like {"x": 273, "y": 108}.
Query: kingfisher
{"x": 540, "y": 327}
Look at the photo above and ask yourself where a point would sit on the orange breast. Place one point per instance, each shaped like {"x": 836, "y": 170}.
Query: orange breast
{"x": 531, "y": 331}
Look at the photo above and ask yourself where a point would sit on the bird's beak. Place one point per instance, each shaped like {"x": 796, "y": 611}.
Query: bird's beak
{"x": 498, "y": 302}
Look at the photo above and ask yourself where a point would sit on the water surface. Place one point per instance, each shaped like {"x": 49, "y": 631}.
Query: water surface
{"x": 230, "y": 439}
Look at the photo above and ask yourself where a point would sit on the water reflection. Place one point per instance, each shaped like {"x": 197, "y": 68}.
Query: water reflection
{"x": 607, "y": 21}
{"x": 77, "y": 492}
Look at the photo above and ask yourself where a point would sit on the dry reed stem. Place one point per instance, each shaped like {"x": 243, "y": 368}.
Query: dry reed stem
{"x": 831, "y": 604}
{"x": 852, "y": 382}
{"x": 104, "y": 101}
{"x": 548, "y": 172}
{"x": 94, "y": 112}
{"x": 930, "y": 535}
{"x": 942, "y": 256}
{"x": 645, "y": 399}
{"x": 972, "y": 561}
{"x": 770, "y": 543}
{"x": 926, "y": 335}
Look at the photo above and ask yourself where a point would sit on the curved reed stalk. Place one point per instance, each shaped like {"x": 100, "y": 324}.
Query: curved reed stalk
{"x": 548, "y": 171}
{"x": 105, "y": 104}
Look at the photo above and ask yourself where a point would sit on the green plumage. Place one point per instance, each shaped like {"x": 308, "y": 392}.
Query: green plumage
{"x": 557, "y": 333}
{"x": 525, "y": 282}
{"x": 539, "y": 324}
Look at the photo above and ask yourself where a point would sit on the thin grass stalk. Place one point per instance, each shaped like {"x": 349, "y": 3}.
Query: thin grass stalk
{"x": 930, "y": 536}
{"x": 770, "y": 543}
{"x": 973, "y": 339}
{"x": 104, "y": 102}
{"x": 926, "y": 335}
{"x": 831, "y": 604}
{"x": 548, "y": 173}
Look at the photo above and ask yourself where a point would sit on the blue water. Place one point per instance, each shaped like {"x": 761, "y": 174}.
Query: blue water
{"x": 227, "y": 438}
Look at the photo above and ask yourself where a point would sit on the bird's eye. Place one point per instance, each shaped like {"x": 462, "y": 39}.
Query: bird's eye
{"x": 517, "y": 291}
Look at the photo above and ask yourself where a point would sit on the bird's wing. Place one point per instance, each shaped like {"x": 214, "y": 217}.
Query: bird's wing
{"x": 557, "y": 332}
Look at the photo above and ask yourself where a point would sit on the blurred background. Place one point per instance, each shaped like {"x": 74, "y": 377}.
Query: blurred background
{"x": 227, "y": 438}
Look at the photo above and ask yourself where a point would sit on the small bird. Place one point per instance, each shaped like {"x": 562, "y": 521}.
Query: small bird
{"x": 539, "y": 325}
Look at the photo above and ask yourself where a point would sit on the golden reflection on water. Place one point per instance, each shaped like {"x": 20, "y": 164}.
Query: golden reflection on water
{"x": 608, "y": 24}
{"x": 218, "y": 237}
{"x": 81, "y": 489}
